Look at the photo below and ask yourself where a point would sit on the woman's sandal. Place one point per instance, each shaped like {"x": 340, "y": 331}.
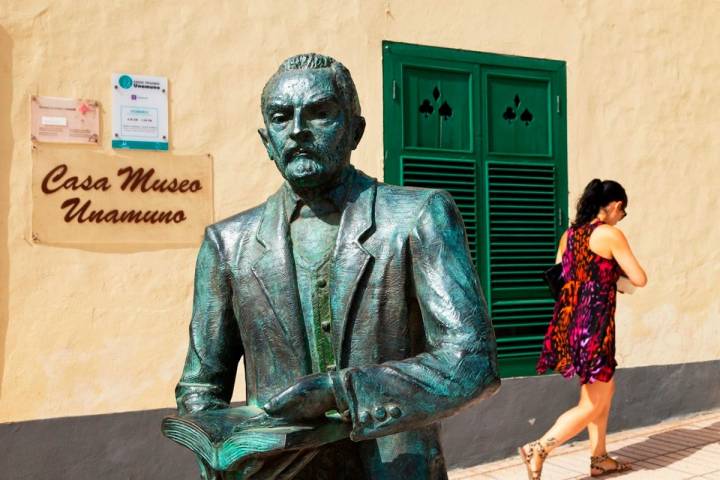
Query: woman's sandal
{"x": 597, "y": 471}
{"x": 535, "y": 447}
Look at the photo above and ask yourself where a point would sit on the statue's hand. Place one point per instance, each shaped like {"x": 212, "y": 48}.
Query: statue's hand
{"x": 281, "y": 465}
{"x": 309, "y": 398}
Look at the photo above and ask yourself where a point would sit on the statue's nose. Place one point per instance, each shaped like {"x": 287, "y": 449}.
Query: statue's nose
{"x": 299, "y": 128}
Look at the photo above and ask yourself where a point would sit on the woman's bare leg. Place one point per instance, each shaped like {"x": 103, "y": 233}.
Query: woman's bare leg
{"x": 594, "y": 400}
{"x": 597, "y": 431}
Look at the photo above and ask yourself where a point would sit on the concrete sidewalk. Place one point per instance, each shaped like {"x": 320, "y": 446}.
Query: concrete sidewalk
{"x": 674, "y": 450}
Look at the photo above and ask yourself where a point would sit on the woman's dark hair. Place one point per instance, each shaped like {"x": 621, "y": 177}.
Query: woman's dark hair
{"x": 597, "y": 194}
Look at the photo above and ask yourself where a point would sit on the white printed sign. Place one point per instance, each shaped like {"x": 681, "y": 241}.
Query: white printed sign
{"x": 140, "y": 112}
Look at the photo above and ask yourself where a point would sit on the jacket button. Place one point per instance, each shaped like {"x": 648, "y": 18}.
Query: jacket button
{"x": 380, "y": 413}
{"x": 325, "y": 325}
{"x": 395, "y": 411}
{"x": 364, "y": 416}
{"x": 321, "y": 283}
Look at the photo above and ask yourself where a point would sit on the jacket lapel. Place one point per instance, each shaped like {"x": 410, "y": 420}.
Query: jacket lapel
{"x": 350, "y": 258}
{"x": 275, "y": 271}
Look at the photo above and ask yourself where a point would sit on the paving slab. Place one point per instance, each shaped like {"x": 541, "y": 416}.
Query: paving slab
{"x": 678, "y": 449}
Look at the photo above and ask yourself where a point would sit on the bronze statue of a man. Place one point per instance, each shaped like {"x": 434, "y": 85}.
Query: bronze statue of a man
{"x": 340, "y": 293}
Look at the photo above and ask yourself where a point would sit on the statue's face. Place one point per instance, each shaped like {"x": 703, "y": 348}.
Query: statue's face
{"x": 308, "y": 133}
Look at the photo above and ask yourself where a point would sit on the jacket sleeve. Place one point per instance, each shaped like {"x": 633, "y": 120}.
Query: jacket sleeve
{"x": 215, "y": 348}
{"x": 459, "y": 363}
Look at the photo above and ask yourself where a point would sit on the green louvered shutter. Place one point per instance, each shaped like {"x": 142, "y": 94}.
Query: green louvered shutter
{"x": 489, "y": 129}
{"x": 525, "y": 184}
{"x": 522, "y": 210}
{"x": 456, "y": 177}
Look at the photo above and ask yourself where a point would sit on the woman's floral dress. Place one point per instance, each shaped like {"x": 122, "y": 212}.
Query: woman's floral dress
{"x": 580, "y": 339}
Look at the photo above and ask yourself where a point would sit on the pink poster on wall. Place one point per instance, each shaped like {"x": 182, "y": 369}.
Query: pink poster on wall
{"x": 64, "y": 120}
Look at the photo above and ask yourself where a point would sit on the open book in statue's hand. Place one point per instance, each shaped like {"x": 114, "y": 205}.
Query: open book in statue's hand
{"x": 226, "y": 439}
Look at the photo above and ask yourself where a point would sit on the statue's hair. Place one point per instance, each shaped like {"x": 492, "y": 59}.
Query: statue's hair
{"x": 313, "y": 61}
{"x": 307, "y": 61}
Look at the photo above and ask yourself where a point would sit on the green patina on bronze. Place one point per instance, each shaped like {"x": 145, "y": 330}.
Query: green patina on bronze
{"x": 339, "y": 293}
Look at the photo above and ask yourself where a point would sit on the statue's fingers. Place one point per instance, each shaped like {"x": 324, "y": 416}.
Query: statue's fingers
{"x": 248, "y": 470}
{"x": 277, "y": 404}
{"x": 274, "y": 466}
{"x": 272, "y": 407}
{"x": 299, "y": 462}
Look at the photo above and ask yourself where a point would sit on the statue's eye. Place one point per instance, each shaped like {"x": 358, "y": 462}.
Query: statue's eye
{"x": 279, "y": 117}
{"x": 323, "y": 111}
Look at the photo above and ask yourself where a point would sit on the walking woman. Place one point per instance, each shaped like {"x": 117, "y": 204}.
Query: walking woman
{"x": 581, "y": 337}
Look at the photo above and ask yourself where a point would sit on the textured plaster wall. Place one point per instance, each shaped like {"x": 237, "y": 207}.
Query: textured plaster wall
{"x": 86, "y": 332}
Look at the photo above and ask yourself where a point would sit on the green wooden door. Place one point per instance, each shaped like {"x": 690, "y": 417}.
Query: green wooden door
{"x": 491, "y": 130}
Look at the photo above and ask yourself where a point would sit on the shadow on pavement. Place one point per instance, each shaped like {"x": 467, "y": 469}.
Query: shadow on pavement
{"x": 662, "y": 450}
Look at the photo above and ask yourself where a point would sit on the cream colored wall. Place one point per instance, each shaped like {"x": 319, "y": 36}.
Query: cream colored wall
{"x": 86, "y": 332}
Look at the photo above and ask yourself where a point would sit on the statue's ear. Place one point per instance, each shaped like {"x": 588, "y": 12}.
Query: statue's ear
{"x": 358, "y": 131}
{"x": 266, "y": 142}
{"x": 264, "y": 136}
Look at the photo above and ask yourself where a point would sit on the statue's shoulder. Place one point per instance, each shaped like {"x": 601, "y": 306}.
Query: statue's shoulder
{"x": 418, "y": 195}
{"x": 243, "y": 220}
{"x": 412, "y": 198}
{"x": 236, "y": 231}
{"x": 404, "y": 206}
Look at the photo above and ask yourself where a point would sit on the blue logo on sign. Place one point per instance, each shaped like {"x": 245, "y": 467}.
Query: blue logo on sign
{"x": 125, "y": 81}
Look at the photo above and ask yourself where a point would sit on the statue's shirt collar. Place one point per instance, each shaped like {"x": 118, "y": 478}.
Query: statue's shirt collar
{"x": 335, "y": 197}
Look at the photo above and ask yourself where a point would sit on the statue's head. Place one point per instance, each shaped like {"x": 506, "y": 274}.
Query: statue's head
{"x": 312, "y": 119}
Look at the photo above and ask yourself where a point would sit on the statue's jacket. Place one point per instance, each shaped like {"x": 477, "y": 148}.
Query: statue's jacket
{"x": 410, "y": 328}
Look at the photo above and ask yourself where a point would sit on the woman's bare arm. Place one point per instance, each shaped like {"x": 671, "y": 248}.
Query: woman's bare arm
{"x": 561, "y": 248}
{"x": 621, "y": 251}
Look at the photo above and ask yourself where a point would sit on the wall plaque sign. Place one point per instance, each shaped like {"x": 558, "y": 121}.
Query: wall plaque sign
{"x": 64, "y": 120}
{"x": 90, "y": 197}
{"x": 140, "y": 112}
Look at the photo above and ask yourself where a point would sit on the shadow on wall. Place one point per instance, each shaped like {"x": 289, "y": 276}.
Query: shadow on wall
{"x": 6, "y": 148}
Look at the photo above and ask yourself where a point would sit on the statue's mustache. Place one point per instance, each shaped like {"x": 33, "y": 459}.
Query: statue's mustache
{"x": 295, "y": 151}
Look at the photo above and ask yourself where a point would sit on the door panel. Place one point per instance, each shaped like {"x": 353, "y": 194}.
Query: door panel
{"x": 490, "y": 130}
{"x": 436, "y": 109}
{"x": 518, "y": 115}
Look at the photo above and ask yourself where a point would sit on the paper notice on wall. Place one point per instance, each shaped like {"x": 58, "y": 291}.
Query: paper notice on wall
{"x": 141, "y": 198}
{"x": 64, "y": 120}
{"x": 140, "y": 112}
